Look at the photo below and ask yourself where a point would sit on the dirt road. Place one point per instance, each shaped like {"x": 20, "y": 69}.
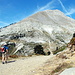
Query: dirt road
{"x": 23, "y": 66}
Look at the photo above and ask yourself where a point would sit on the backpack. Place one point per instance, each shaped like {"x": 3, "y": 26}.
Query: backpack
{"x": 2, "y": 49}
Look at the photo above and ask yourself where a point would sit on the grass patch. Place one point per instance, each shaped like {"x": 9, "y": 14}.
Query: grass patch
{"x": 13, "y": 56}
{"x": 61, "y": 67}
{"x": 59, "y": 50}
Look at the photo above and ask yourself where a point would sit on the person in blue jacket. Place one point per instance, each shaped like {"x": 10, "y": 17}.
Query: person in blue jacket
{"x": 4, "y": 53}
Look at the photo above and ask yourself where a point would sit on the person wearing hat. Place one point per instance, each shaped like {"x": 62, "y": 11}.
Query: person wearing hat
{"x": 4, "y": 53}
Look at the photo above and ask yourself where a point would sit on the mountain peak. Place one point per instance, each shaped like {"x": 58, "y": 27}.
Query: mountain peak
{"x": 50, "y": 28}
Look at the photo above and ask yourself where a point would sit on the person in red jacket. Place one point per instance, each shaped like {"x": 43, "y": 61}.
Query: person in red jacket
{"x": 4, "y": 51}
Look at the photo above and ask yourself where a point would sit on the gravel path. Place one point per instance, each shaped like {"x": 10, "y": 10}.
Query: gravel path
{"x": 23, "y": 66}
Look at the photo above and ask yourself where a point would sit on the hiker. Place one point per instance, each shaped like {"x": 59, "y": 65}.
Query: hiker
{"x": 4, "y": 51}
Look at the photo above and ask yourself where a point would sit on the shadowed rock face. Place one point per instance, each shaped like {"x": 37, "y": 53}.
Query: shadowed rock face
{"x": 38, "y": 49}
{"x": 74, "y": 35}
{"x": 51, "y": 28}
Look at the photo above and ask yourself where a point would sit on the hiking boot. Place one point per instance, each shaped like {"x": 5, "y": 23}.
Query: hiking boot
{"x": 5, "y": 61}
{"x": 2, "y": 62}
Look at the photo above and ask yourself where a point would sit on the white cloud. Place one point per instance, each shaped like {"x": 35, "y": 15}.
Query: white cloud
{"x": 46, "y": 7}
{"x": 3, "y": 23}
{"x": 63, "y": 7}
{"x": 70, "y": 11}
{"x": 49, "y": 5}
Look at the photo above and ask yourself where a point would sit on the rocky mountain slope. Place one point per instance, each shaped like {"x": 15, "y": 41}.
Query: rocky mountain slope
{"x": 49, "y": 29}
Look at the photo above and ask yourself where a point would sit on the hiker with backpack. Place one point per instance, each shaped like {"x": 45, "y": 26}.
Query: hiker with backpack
{"x": 4, "y": 51}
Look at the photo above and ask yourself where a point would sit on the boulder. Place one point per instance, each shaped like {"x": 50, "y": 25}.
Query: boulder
{"x": 70, "y": 71}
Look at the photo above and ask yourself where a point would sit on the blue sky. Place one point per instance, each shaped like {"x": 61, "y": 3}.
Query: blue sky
{"x": 15, "y": 10}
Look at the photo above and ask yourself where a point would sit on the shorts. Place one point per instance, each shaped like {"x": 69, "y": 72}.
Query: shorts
{"x": 4, "y": 55}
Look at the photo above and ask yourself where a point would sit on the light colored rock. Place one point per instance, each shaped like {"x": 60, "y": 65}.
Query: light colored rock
{"x": 19, "y": 46}
{"x": 70, "y": 71}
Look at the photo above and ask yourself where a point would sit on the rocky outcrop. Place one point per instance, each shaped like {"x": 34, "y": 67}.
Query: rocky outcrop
{"x": 50, "y": 29}
{"x": 70, "y": 71}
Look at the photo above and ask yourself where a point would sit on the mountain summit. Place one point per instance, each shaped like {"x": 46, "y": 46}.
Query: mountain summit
{"x": 49, "y": 28}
